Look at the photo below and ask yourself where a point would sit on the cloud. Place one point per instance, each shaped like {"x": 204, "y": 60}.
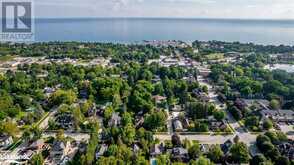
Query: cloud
{"x": 167, "y": 8}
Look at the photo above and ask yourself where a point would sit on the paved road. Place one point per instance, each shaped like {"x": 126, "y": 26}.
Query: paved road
{"x": 240, "y": 131}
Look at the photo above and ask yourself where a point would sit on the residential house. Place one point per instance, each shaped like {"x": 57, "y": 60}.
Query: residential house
{"x": 178, "y": 125}
{"x": 156, "y": 79}
{"x": 59, "y": 151}
{"x": 5, "y": 141}
{"x": 100, "y": 152}
{"x": 185, "y": 123}
{"x": 139, "y": 120}
{"x": 202, "y": 96}
{"x": 64, "y": 121}
{"x": 180, "y": 153}
{"x": 135, "y": 148}
{"x": 285, "y": 116}
{"x": 204, "y": 148}
{"x": 159, "y": 99}
{"x": 286, "y": 57}
{"x": 215, "y": 125}
{"x": 287, "y": 149}
{"x": 48, "y": 91}
{"x": 204, "y": 72}
{"x": 37, "y": 145}
{"x": 240, "y": 104}
{"x": 156, "y": 150}
{"x": 259, "y": 104}
{"x": 176, "y": 108}
{"x": 221, "y": 97}
{"x": 114, "y": 120}
{"x": 226, "y": 146}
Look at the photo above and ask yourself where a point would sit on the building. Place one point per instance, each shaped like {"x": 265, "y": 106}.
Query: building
{"x": 156, "y": 149}
{"x": 204, "y": 72}
{"x": 258, "y": 104}
{"x": 201, "y": 95}
{"x": 37, "y": 145}
{"x": 287, "y": 149}
{"x": 176, "y": 108}
{"x": 5, "y": 141}
{"x": 286, "y": 57}
{"x": 226, "y": 146}
{"x": 135, "y": 148}
{"x": 215, "y": 125}
{"x": 59, "y": 151}
{"x": 139, "y": 120}
{"x": 240, "y": 104}
{"x": 285, "y": 116}
{"x": 64, "y": 121}
{"x": 159, "y": 99}
{"x": 100, "y": 152}
{"x": 178, "y": 125}
{"x": 204, "y": 148}
{"x": 114, "y": 120}
{"x": 180, "y": 153}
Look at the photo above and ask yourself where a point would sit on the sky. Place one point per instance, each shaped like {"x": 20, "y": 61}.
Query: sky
{"x": 241, "y": 9}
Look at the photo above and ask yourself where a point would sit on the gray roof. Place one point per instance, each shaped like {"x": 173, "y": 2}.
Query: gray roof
{"x": 180, "y": 151}
{"x": 58, "y": 145}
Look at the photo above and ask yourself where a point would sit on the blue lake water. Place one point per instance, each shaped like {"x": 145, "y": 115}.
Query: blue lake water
{"x": 129, "y": 30}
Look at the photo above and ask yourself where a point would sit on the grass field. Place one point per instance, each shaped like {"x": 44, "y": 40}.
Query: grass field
{"x": 6, "y": 58}
{"x": 215, "y": 56}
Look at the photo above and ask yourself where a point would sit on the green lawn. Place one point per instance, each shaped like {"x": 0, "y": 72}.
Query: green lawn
{"x": 215, "y": 56}
{"x": 6, "y": 58}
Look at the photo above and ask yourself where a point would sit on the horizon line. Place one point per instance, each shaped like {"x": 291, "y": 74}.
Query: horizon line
{"x": 187, "y": 18}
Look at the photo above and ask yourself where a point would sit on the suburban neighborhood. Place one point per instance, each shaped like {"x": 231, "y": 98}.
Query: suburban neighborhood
{"x": 160, "y": 102}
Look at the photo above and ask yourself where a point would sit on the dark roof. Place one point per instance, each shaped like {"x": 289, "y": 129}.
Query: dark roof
{"x": 226, "y": 146}
{"x": 58, "y": 145}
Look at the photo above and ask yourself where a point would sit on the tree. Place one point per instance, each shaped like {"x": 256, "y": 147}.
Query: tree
{"x": 236, "y": 139}
{"x": 37, "y": 159}
{"x": 257, "y": 160}
{"x": 246, "y": 91}
{"x": 275, "y": 104}
{"x": 163, "y": 160}
{"x": 63, "y": 97}
{"x": 235, "y": 112}
{"x": 267, "y": 124}
{"x": 205, "y": 89}
{"x": 126, "y": 119}
{"x": 261, "y": 139}
{"x": 252, "y": 121}
{"x": 107, "y": 160}
{"x": 176, "y": 140}
{"x": 240, "y": 153}
{"x": 155, "y": 120}
{"x": 60, "y": 135}
{"x": 219, "y": 115}
{"x": 91, "y": 148}
{"x": 283, "y": 160}
{"x": 9, "y": 128}
{"x": 24, "y": 101}
{"x": 194, "y": 151}
{"x": 202, "y": 161}
{"x": 198, "y": 110}
{"x": 112, "y": 150}
{"x": 128, "y": 134}
{"x": 215, "y": 153}
{"x": 200, "y": 127}
{"x": 273, "y": 136}
{"x": 78, "y": 117}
